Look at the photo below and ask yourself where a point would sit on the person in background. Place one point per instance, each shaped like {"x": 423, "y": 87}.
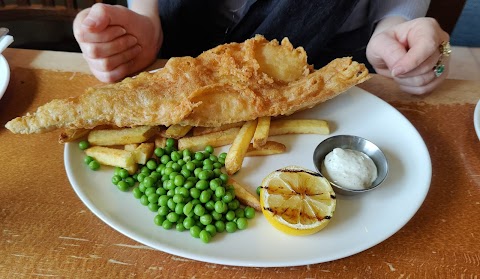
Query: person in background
{"x": 393, "y": 38}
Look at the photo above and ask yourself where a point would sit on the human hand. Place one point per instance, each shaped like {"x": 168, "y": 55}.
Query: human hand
{"x": 409, "y": 51}
{"x": 116, "y": 41}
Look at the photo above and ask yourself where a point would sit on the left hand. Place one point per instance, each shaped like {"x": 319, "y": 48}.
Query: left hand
{"x": 408, "y": 51}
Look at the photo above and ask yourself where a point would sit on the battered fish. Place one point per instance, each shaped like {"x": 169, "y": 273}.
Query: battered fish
{"x": 230, "y": 83}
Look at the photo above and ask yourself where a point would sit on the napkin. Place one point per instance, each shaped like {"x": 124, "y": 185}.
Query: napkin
{"x": 5, "y": 41}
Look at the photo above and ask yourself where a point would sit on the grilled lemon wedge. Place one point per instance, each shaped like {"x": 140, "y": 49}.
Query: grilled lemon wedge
{"x": 297, "y": 201}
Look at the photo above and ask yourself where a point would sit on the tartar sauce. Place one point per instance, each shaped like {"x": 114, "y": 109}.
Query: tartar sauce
{"x": 349, "y": 168}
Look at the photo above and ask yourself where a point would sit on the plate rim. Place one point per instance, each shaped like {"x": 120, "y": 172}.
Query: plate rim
{"x": 4, "y": 63}
{"x": 215, "y": 260}
{"x": 476, "y": 119}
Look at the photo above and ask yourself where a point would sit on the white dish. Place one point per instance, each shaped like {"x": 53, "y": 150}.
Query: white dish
{"x": 4, "y": 75}
{"x": 359, "y": 223}
{"x": 476, "y": 119}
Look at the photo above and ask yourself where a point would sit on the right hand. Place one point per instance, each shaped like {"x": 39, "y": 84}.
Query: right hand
{"x": 116, "y": 41}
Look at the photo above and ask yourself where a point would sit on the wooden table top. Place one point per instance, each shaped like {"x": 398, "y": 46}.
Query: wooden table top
{"x": 46, "y": 230}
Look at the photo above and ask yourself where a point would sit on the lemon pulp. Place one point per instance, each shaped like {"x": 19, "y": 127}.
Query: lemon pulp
{"x": 297, "y": 201}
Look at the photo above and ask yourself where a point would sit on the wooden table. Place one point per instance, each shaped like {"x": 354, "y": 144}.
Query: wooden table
{"x": 47, "y": 232}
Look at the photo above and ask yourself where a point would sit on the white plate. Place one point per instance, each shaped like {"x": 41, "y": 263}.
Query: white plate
{"x": 4, "y": 75}
{"x": 476, "y": 119}
{"x": 359, "y": 223}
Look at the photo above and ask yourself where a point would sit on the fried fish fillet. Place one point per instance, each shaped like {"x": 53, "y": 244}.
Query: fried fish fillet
{"x": 227, "y": 84}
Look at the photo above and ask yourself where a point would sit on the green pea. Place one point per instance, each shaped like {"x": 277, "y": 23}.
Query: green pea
{"x": 208, "y": 167}
{"x": 163, "y": 199}
{"x": 116, "y": 179}
{"x": 207, "y": 162}
{"x": 220, "y": 226}
{"x": 170, "y": 142}
{"x": 141, "y": 177}
{"x": 123, "y": 173}
{"x": 153, "y": 198}
{"x": 216, "y": 216}
{"x": 170, "y": 185}
{"x": 211, "y": 229}
{"x": 173, "y": 217}
{"x": 184, "y": 192}
{"x": 87, "y": 159}
{"x": 151, "y": 164}
{"x": 148, "y": 182}
{"x": 171, "y": 204}
{"x": 176, "y": 167}
{"x": 242, "y": 223}
{"x": 239, "y": 213}
{"x": 215, "y": 183}
{"x": 161, "y": 191}
{"x": 233, "y": 204}
{"x": 172, "y": 175}
{"x": 165, "y": 159}
{"x": 145, "y": 170}
{"x": 205, "y": 196}
{"x": 220, "y": 207}
{"x": 206, "y": 219}
{"x": 195, "y": 231}
{"x": 228, "y": 197}
{"x": 178, "y": 198}
{"x": 220, "y": 192}
{"x": 231, "y": 227}
{"x": 249, "y": 212}
{"x": 209, "y": 149}
{"x": 185, "y": 172}
{"x": 123, "y": 186}
{"x": 217, "y": 172}
{"x": 213, "y": 158}
{"x": 179, "y": 180}
{"x": 217, "y": 165}
{"x": 199, "y": 156}
{"x": 199, "y": 210}
{"x": 163, "y": 210}
{"x": 205, "y": 236}
{"x": 153, "y": 207}
{"x": 142, "y": 187}
{"x": 224, "y": 177}
{"x": 137, "y": 193}
{"x": 160, "y": 168}
{"x": 179, "y": 208}
{"x": 187, "y": 208}
{"x": 202, "y": 185}
{"x": 149, "y": 191}
{"x": 175, "y": 155}
{"x": 258, "y": 190}
{"x": 158, "y": 220}
{"x": 222, "y": 155}
{"x": 130, "y": 181}
{"x": 159, "y": 152}
{"x": 230, "y": 215}
{"x": 144, "y": 200}
{"x": 188, "y": 223}
{"x": 167, "y": 224}
{"x": 195, "y": 193}
{"x": 190, "y": 166}
{"x": 180, "y": 227}
{"x": 83, "y": 144}
{"x": 94, "y": 165}
{"x": 210, "y": 205}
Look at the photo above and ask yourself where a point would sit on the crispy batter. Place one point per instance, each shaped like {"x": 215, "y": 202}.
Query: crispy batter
{"x": 230, "y": 83}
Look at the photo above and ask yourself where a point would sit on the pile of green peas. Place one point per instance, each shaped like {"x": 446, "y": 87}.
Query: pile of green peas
{"x": 188, "y": 191}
